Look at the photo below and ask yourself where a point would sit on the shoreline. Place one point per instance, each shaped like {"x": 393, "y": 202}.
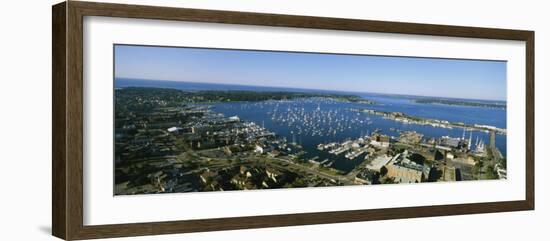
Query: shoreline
{"x": 401, "y": 117}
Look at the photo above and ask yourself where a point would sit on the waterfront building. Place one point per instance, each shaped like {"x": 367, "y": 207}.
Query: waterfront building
{"x": 450, "y": 141}
{"x": 379, "y": 162}
{"x": 380, "y": 141}
{"x": 404, "y": 174}
{"x": 403, "y": 170}
{"x": 259, "y": 149}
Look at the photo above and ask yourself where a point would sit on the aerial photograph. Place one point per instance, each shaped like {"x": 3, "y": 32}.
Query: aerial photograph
{"x": 202, "y": 119}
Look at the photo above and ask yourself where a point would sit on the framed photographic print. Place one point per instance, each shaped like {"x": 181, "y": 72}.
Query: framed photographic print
{"x": 171, "y": 120}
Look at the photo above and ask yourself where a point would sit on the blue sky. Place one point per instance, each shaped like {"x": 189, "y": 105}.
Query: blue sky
{"x": 469, "y": 79}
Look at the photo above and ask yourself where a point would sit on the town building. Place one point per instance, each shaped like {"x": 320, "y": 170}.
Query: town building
{"x": 379, "y": 162}
{"x": 403, "y": 170}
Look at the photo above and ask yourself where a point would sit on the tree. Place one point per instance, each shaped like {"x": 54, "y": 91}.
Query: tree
{"x": 417, "y": 158}
{"x": 478, "y": 167}
{"x": 491, "y": 173}
{"x": 383, "y": 171}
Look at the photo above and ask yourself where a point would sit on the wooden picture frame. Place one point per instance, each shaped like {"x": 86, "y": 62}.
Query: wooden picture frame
{"x": 67, "y": 152}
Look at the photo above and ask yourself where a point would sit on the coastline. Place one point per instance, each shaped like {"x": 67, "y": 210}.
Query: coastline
{"x": 401, "y": 117}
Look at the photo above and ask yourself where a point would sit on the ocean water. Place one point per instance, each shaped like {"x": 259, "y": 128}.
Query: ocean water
{"x": 315, "y": 120}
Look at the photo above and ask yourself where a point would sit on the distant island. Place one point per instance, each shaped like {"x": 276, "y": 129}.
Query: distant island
{"x": 442, "y": 101}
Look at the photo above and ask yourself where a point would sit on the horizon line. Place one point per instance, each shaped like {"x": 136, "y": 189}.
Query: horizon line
{"x": 363, "y": 92}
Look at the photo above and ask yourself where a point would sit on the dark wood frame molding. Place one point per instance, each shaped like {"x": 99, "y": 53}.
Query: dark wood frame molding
{"x": 67, "y": 123}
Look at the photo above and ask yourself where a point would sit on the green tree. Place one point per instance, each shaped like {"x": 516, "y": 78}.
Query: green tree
{"x": 478, "y": 168}
{"x": 491, "y": 173}
{"x": 383, "y": 171}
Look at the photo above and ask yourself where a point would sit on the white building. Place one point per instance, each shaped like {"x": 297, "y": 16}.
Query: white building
{"x": 259, "y": 149}
{"x": 379, "y": 162}
{"x": 174, "y": 129}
